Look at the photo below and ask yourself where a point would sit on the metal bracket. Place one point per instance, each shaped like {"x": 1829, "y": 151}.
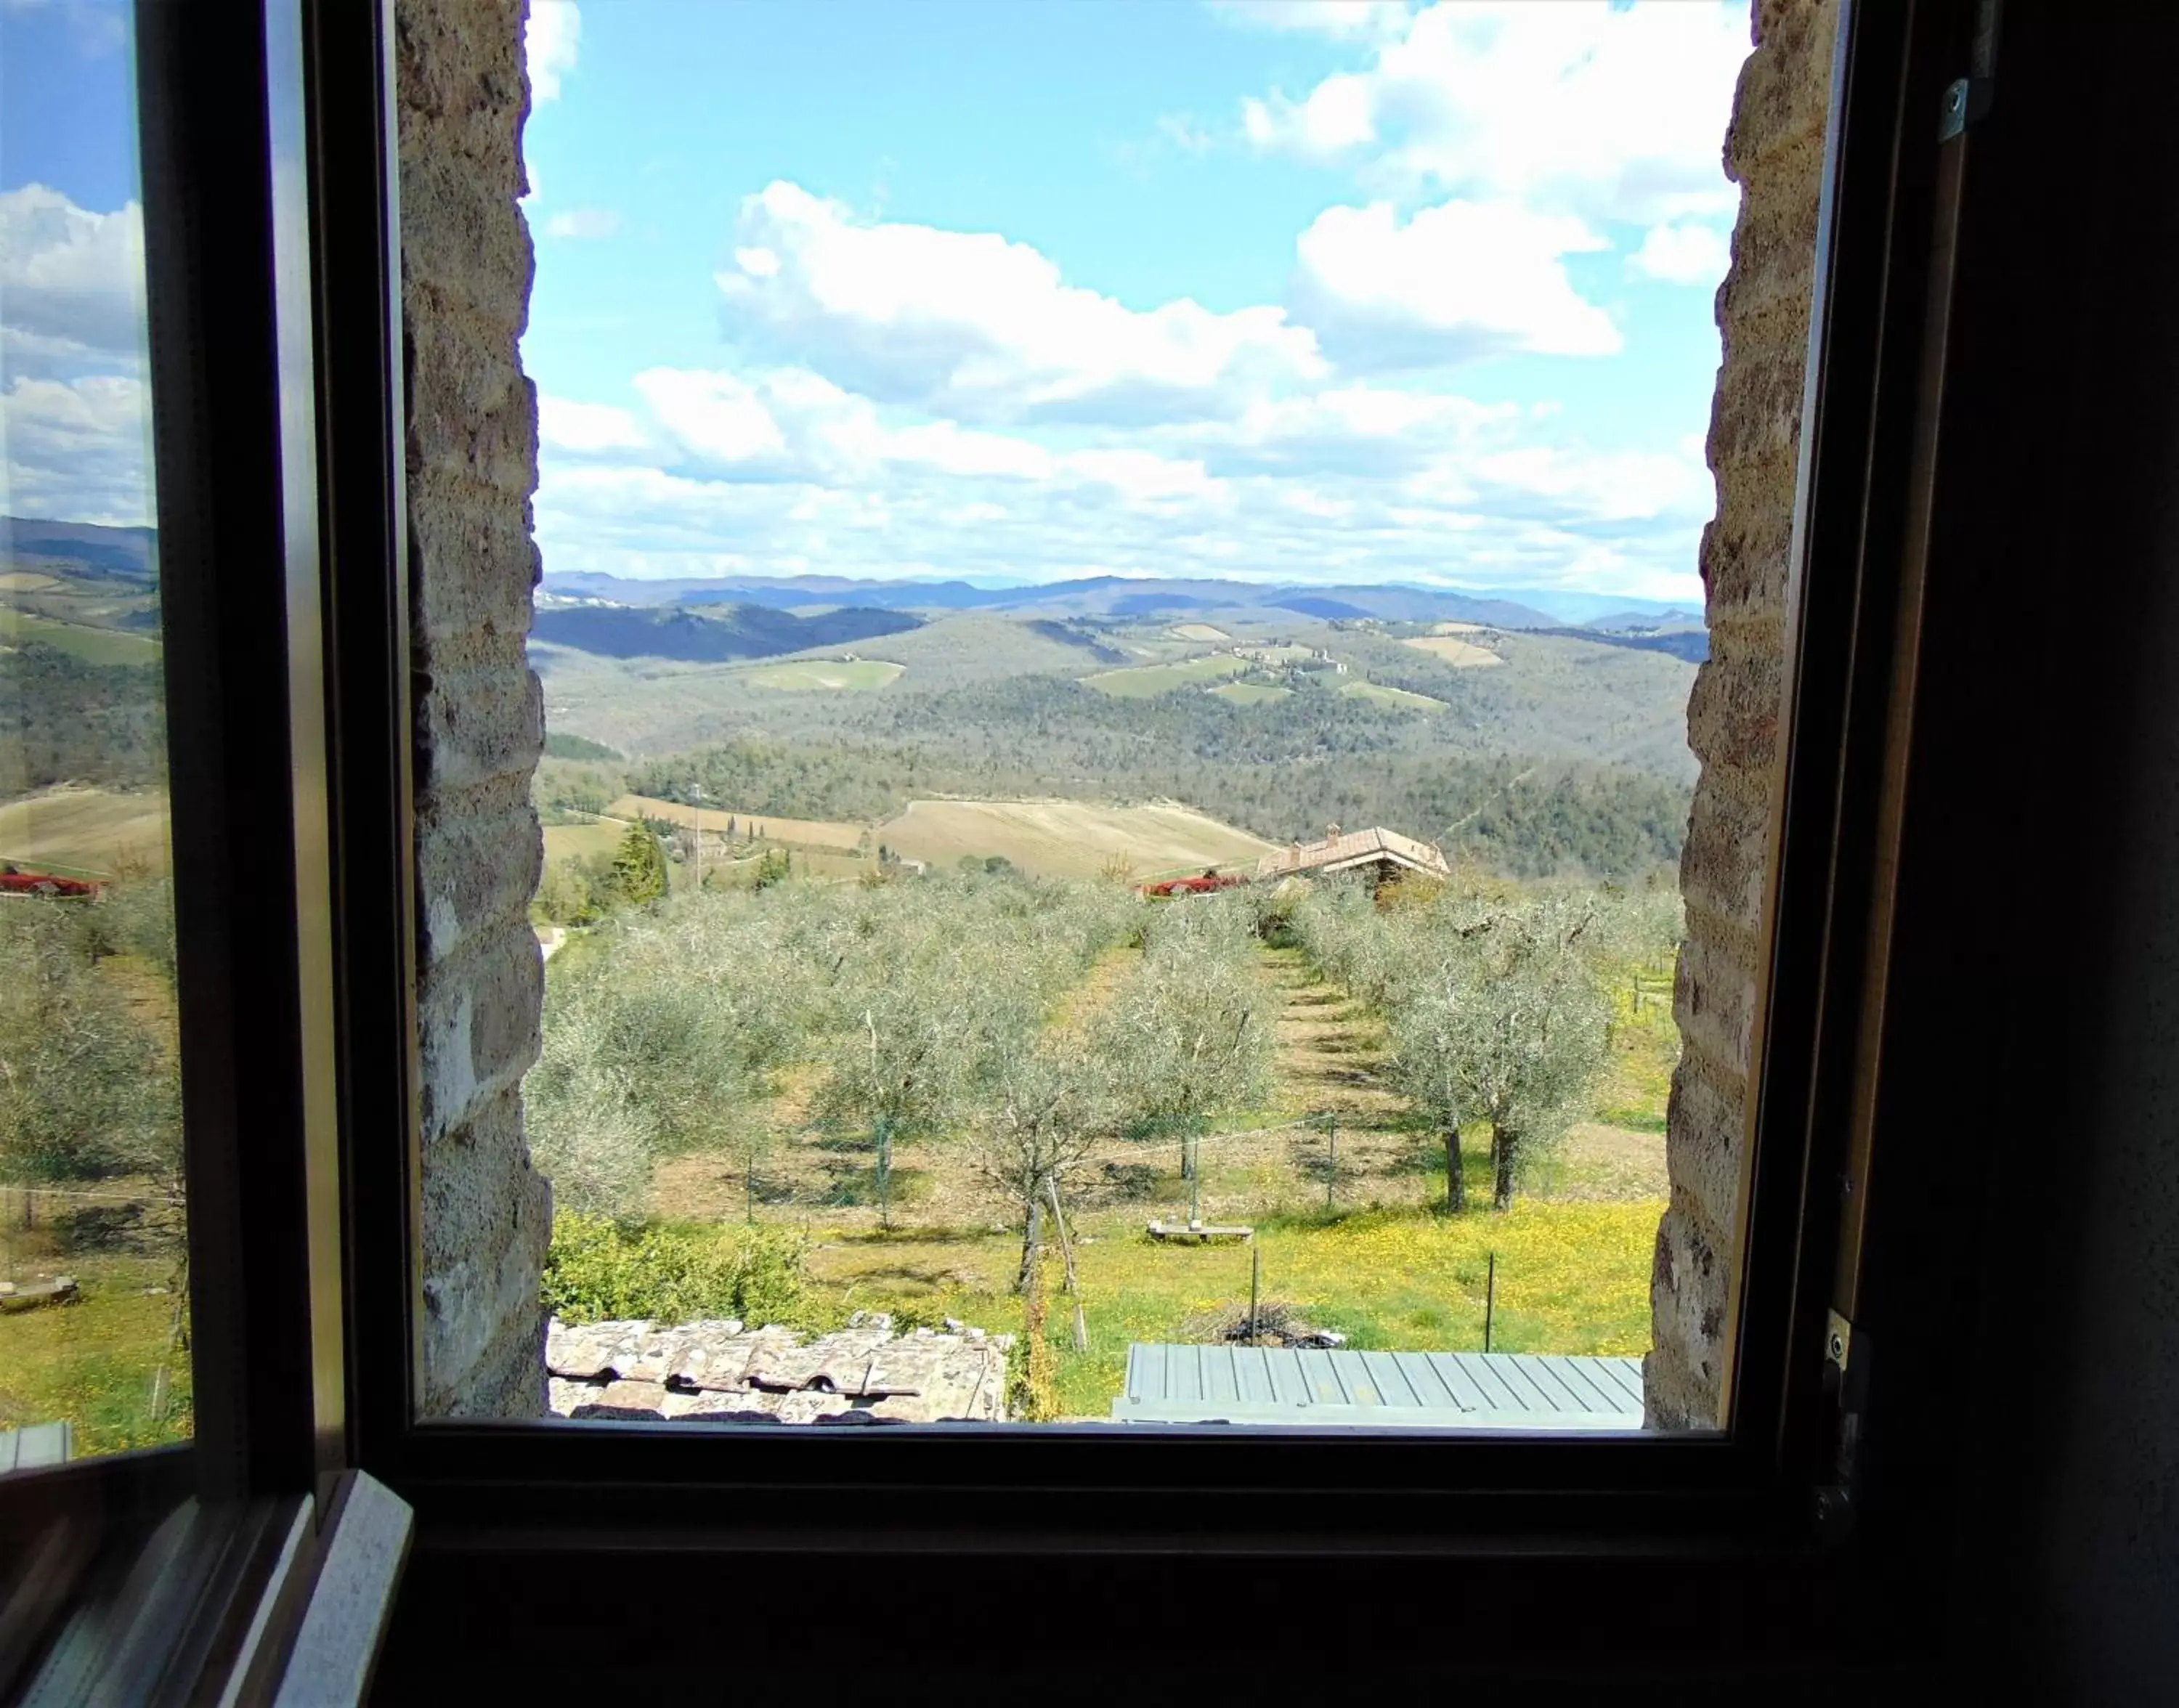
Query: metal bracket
{"x": 1846, "y": 1377}
{"x": 1969, "y": 100}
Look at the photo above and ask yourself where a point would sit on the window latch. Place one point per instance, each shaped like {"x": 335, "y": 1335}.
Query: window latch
{"x": 1846, "y": 1379}
{"x": 1967, "y": 99}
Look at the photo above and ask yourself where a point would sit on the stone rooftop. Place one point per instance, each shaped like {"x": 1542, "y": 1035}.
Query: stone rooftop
{"x": 1341, "y": 850}
{"x": 718, "y": 1372}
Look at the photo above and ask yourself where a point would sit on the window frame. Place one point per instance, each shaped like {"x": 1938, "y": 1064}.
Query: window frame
{"x": 1881, "y": 190}
{"x": 225, "y": 111}
{"x": 1043, "y": 1486}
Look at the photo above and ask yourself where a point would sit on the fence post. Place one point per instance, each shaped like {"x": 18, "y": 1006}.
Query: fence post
{"x": 1490, "y": 1299}
{"x": 1331, "y": 1174}
{"x": 1255, "y": 1285}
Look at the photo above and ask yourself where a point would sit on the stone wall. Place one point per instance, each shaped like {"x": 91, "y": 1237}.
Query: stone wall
{"x": 1775, "y": 153}
{"x": 472, "y": 463}
{"x": 466, "y": 267}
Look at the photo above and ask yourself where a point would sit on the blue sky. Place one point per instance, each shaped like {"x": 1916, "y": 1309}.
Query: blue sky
{"x": 73, "y": 432}
{"x": 1307, "y": 291}
{"x": 1023, "y": 289}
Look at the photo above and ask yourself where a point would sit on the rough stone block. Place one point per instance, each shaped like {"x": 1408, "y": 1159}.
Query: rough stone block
{"x": 1708, "y": 1113}
{"x": 479, "y": 1025}
{"x": 474, "y": 726}
{"x": 1775, "y": 149}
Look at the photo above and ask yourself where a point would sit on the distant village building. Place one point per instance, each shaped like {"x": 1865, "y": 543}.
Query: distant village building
{"x": 1379, "y": 854}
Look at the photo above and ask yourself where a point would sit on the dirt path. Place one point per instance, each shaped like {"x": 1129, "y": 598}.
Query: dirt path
{"x": 1329, "y": 1047}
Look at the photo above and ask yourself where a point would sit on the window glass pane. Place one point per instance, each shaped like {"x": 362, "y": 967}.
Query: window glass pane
{"x": 94, "y": 1326}
{"x": 1122, "y": 588}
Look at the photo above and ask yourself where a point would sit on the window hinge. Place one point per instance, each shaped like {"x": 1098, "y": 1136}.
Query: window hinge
{"x": 1846, "y": 1379}
{"x": 1967, "y": 99}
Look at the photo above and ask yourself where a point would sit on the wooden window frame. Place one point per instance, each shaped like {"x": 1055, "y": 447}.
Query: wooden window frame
{"x": 302, "y": 1037}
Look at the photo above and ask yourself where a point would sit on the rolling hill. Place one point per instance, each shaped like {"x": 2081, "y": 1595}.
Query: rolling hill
{"x": 1111, "y": 596}
{"x": 705, "y": 634}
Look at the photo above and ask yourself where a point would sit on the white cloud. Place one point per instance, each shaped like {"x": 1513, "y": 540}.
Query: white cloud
{"x": 76, "y": 450}
{"x": 1682, "y": 254}
{"x": 1344, "y": 19}
{"x": 784, "y": 471}
{"x": 1590, "y": 487}
{"x": 550, "y": 41}
{"x": 583, "y": 223}
{"x": 979, "y": 328}
{"x": 586, "y": 429}
{"x": 1458, "y": 281}
{"x": 1185, "y": 134}
{"x": 73, "y": 425}
{"x": 1604, "y": 111}
{"x": 1354, "y": 431}
{"x": 71, "y": 282}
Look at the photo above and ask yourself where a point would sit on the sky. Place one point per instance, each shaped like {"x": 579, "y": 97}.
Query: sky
{"x": 1005, "y": 291}
{"x": 74, "y": 435}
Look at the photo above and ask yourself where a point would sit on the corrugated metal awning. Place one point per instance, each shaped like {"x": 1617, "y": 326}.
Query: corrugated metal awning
{"x": 1298, "y": 1386}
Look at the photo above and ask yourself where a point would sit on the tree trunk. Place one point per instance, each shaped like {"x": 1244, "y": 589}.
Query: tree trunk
{"x": 885, "y": 1172}
{"x": 1456, "y": 1185}
{"x": 1504, "y": 1144}
{"x": 1032, "y": 1244}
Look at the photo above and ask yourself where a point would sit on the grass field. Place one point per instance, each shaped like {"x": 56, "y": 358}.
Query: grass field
{"x": 1379, "y": 1263}
{"x": 94, "y": 646}
{"x": 1251, "y": 694}
{"x": 581, "y": 841}
{"x": 1144, "y": 681}
{"x": 1385, "y": 696}
{"x": 1458, "y": 628}
{"x": 811, "y": 832}
{"x": 860, "y": 676}
{"x": 1198, "y": 631}
{"x": 98, "y": 830}
{"x": 1461, "y": 654}
{"x": 1069, "y": 838}
{"x": 95, "y": 1362}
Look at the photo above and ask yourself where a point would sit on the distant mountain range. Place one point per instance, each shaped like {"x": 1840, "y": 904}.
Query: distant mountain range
{"x": 625, "y": 618}
{"x": 1121, "y": 596}
{"x": 84, "y": 550}
{"x": 707, "y": 634}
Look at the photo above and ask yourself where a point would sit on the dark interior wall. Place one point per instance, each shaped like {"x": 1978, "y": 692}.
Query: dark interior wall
{"x": 2021, "y": 1293}
{"x": 2070, "y": 1533}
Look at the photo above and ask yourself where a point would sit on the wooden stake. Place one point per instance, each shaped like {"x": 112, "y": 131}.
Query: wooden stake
{"x": 1065, "y": 1244}
{"x": 1490, "y": 1299}
{"x": 1255, "y": 1287}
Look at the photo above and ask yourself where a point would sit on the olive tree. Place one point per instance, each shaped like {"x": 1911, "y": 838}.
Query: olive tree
{"x": 1041, "y": 1109}
{"x": 662, "y": 1037}
{"x": 1188, "y": 1035}
{"x": 1504, "y": 1021}
{"x": 88, "y": 1085}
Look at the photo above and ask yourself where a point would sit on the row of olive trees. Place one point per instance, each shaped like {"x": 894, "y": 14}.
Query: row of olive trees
{"x": 947, "y": 1008}
{"x": 1494, "y": 999}
{"x": 89, "y": 1088}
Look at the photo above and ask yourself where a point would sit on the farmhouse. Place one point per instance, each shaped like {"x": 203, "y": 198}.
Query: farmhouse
{"x": 1381, "y": 855}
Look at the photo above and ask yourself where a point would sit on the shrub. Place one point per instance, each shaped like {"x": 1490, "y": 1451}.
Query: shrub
{"x": 595, "y": 1270}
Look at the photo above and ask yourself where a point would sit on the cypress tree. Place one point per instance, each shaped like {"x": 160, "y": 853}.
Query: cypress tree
{"x": 639, "y": 867}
